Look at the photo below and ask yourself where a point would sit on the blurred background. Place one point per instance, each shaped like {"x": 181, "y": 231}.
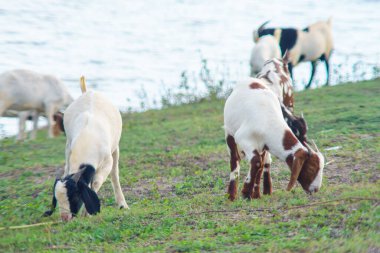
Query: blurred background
{"x": 133, "y": 50}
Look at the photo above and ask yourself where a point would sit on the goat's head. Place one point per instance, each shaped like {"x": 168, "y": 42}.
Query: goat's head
{"x": 58, "y": 126}
{"x": 307, "y": 168}
{"x": 72, "y": 191}
{"x": 259, "y": 32}
{"x": 311, "y": 174}
{"x": 297, "y": 124}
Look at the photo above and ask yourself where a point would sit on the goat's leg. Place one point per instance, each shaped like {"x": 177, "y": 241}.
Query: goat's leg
{"x": 327, "y": 72}
{"x": 267, "y": 178}
{"x": 49, "y": 111}
{"x": 22, "y": 116}
{"x": 34, "y": 115}
{"x": 235, "y": 167}
{"x": 250, "y": 181}
{"x": 313, "y": 68}
{"x": 119, "y": 196}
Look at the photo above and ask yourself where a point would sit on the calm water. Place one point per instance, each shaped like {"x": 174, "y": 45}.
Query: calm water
{"x": 121, "y": 46}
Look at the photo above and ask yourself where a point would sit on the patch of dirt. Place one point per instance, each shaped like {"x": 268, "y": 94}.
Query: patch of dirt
{"x": 38, "y": 176}
{"x": 146, "y": 187}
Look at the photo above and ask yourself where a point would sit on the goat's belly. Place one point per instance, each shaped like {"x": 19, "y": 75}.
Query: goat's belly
{"x": 31, "y": 105}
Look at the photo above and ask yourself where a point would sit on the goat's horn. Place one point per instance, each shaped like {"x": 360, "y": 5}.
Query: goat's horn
{"x": 309, "y": 149}
{"x": 315, "y": 146}
{"x": 262, "y": 26}
{"x": 77, "y": 175}
{"x": 58, "y": 173}
{"x": 302, "y": 115}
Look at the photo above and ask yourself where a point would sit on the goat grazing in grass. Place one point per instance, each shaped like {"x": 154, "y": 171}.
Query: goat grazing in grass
{"x": 93, "y": 128}
{"x": 24, "y": 93}
{"x": 254, "y": 126}
{"x": 313, "y": 43}
{"x": 266, "y": 48}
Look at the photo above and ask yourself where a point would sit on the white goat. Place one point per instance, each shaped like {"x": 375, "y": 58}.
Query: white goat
{"x": 266, "y": 48}
{"x": 28, "y": 93}
{"x": 312, "y": 43}
{"x": 93, "y": 128}
{"x": 254, "y": 126}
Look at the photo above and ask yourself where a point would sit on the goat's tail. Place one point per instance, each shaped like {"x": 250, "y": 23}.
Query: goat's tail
{"x": 83, "y": 84}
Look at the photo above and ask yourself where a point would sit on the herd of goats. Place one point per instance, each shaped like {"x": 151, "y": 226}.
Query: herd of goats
{"x": 259, "y": 121}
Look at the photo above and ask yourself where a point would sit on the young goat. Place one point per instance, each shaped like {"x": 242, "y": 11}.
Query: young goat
{"x": 266, "y": 48}
{"x": 254, "y": 126}
{"x": 310, "y": 44}
{"x": 25, "y": 93}
{"x": 93, "y": 128}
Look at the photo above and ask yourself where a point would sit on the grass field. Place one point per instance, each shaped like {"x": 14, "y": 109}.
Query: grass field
{"x": 174, "y": 172}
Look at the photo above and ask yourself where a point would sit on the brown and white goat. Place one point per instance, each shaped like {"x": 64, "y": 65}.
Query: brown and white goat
{"x": 26, "y": 93}
{"x": 312, "y": 43}
{"x": 254, "y": 126}
{"x": 93, "y": 128}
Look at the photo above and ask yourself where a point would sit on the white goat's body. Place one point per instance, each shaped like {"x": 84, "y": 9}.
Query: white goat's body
{"x": 254, "y": 118}
{"x": 255, "y": 128}
{"x": 23, "y": 90}
{"x": 266, "y": 48}
{"x": 93, "y": 130}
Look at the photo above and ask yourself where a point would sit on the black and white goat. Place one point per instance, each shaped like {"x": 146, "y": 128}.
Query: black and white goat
{"x": 255, "y": 128}
{"x": 93, "y": 128}
{"x": 312, "y": 43}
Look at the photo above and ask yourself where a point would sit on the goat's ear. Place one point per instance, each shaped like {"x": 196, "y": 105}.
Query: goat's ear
{"x": 298, "y": 162}
{"x": 89, "y": 198}
{"x": 58, "y": 127}
{"x": 53, "y": 203}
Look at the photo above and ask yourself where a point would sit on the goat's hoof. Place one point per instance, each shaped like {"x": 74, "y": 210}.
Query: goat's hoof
{"x": 256, "y": 195}
{"x": 124, "y": 206}
{"x": 232, "y": 190}
{"x": 267, "y": 193}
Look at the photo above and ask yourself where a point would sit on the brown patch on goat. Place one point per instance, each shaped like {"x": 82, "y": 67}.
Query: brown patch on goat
{"x": 289, "y": 160}
{"x": 288, "y": 101}
{"x": 256, "y": 172}
{"x": 232, "y": 190}
{"x": 289, "y": 140}
{"x": 58, "y": 126}
{"x": 256, "y": 85}
{"x": 267, "y": 180}
{"x": 234, "y": 160}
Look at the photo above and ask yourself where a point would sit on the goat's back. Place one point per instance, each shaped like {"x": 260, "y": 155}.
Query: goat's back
{"x": 25, "y": 89}
{"x": 265, "y": 49}
{"x": 257, "y": 108}
{"x": 93, "y": 115}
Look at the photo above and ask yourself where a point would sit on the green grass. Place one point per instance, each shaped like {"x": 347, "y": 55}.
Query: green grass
{"x": 174, "y": 172}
